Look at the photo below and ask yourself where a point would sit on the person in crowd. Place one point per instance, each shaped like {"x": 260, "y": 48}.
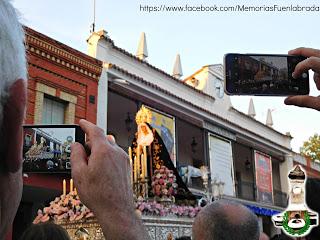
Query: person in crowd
{"x": 13, "y": 75}
{"x": 281, "y": 236}
{"x": 103, "y": 183}
{"x": 225, "y": 220}
{"x": 45, "y": 231}
{"x": 263, "y": 236}
{"x": 313, "y": 202}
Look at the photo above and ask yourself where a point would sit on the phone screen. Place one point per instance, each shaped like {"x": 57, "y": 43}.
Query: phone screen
{"x": 48, "y": 148}
{"x": 264, "y": 75}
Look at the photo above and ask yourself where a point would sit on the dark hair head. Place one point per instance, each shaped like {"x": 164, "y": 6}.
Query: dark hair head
{"x": 45, "y": 231}
{"x": 281, "y": 237}
{"x": 226, "y": 220}
{"x": 313, "y": 202}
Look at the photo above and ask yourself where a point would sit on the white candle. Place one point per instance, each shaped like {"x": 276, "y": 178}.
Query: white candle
{"x": 135, "y": 169}
{"x": 145, "y": 161}
{"x": 142, "y": 166}
{"x": 138, "y": 161}
{"x": 64, "y": 187}
{"x": 71, "y": 185}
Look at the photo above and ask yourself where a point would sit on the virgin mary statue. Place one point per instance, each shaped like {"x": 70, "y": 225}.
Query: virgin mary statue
{"x": 158, "y": 161}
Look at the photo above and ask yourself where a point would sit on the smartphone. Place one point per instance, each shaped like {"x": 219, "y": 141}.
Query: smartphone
{"x": 263, "y": 75}
{"x": 47, "y": 148}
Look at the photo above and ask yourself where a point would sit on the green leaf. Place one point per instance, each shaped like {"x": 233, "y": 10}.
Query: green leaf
{"x": 311, "y": 148}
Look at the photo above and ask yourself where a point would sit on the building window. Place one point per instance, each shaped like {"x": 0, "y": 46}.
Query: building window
{"x": 53, "y": 111}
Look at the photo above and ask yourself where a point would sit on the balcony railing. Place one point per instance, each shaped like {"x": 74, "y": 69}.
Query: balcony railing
{"x": 247, "y": 191}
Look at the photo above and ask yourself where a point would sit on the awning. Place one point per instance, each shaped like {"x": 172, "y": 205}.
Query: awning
{"x": 261, "y": 210}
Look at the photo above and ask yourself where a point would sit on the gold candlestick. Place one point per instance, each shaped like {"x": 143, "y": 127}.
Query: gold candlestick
{"x": 142, "y": 167}
{"x": 64, "y": 187}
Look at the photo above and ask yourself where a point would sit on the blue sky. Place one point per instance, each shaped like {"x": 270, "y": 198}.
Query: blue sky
{"x": 201, "y": 38}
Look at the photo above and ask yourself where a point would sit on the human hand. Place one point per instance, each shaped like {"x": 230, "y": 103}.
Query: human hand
{"x": 313, "y": 63}
{"x": 103, "y": 183}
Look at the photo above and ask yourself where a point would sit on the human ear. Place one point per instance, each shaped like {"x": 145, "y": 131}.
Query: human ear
{"x": 13, "y": 117}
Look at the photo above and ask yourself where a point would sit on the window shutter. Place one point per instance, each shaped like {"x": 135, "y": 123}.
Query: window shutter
{"x": 221, "y": 163}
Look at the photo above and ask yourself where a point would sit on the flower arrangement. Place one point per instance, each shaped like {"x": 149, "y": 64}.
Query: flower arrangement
{"x": 158, "y": 209}
{"x": 185, "y": 211}
{"x": 66, "y": 207}
{"x": 164, "y": 183}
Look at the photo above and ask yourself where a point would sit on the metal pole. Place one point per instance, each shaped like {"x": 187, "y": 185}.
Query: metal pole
{"x": 94, "y": 15}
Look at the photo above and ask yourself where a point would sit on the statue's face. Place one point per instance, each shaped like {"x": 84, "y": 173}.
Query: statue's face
{"x": 144, "y": 129}
{"x": 145, "y": 135}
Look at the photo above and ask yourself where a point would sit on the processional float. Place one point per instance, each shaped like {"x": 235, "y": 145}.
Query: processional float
{"x": 164, "y": 202}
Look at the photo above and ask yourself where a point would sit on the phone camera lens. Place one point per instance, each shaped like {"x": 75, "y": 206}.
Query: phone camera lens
{"x": 304, "y": 75}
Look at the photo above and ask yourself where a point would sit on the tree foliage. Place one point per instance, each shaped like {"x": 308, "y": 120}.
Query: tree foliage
{"x": 311, "y": 148}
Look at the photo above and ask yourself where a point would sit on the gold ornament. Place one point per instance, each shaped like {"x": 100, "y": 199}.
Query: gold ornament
{"x": 144, "y": 115}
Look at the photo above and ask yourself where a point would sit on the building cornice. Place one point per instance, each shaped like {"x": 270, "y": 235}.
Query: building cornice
{"x": 56, "y": 75}
{"x": 62, "y": 55}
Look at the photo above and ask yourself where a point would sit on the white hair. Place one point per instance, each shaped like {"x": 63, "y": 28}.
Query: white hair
{"x": 12, "y": 50}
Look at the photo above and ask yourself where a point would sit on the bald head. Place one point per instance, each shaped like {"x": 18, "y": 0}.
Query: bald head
{"x": 225, "y": 220}
{"x": 263, "y": 236}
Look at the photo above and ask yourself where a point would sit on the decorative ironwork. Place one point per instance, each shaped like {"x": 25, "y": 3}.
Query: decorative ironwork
{"x": 158, "y": 228}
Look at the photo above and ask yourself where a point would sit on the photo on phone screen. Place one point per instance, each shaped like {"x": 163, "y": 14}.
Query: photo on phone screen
{"x": 253, "y": 74}
{"x": 48, "y": 148}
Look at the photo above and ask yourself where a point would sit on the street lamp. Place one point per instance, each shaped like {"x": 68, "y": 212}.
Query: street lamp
{"x": 128, "y": 122}
{"x": 193, "y": 145}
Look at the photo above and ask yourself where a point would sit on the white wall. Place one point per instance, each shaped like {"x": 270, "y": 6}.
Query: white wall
{"x": 102, "y": 101}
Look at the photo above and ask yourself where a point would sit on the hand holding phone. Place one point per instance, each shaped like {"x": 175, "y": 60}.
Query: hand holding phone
{"x": 264, "y": 75}
{"x": 312, "y": 62}
{"x": 47, "y": 148}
